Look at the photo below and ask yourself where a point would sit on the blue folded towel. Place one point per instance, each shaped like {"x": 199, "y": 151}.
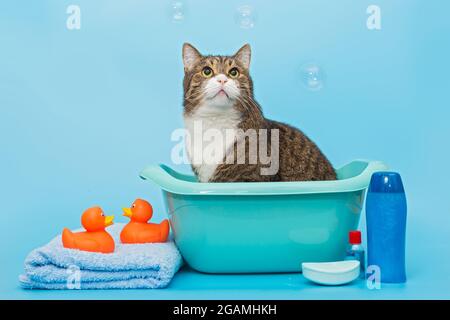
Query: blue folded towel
{"x": 131, "y": 266}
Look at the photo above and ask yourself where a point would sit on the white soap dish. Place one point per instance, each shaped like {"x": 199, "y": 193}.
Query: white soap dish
{"x": 331, "y": 273}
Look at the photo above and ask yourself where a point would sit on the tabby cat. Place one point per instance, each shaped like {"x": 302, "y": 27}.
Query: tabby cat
{"x": 218, "y": 93}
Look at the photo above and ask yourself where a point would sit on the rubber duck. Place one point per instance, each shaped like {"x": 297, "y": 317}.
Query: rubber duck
{"x": 139, "y": 230}
{"x": 95, "y": 238}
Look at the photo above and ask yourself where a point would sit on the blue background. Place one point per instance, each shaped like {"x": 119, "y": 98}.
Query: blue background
{"x": 83, "y": 111}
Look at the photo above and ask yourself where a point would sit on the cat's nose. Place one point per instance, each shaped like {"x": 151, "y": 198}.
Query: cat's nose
{"x": 222, "y": 79}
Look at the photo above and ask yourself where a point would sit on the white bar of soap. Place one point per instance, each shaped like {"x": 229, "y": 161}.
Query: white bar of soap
{"x": 331, "y": 273}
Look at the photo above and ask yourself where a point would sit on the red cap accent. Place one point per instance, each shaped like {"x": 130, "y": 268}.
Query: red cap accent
{"x": 354, "y": 237}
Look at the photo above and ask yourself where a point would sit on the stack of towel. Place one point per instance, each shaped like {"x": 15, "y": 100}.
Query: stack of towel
{"x": 131, "y": 266}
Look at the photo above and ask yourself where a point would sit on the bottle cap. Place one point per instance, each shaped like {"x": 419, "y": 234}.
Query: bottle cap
{"x": 354, "y": 237}
{"x": 386, "y": 182}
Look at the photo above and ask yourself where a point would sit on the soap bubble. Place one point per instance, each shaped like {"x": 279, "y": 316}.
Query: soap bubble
{"x": 245, "y": 17}
{"x": 312, "y": 76}
{"x": 177, "y": 11}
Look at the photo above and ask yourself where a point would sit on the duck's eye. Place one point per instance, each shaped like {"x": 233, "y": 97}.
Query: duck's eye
{"x": 103, "y": 214}
{"x": 234, "y": 73}
{"x": 207, "y": 72}
{"x": 133, "y": 205}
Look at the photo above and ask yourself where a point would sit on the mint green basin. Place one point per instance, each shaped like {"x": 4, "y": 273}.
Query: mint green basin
{"x": 263, "y": 226}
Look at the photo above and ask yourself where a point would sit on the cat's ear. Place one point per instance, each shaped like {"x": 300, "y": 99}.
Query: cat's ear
{"x": 243, "y": 55}
{"x": 190, "y": 56}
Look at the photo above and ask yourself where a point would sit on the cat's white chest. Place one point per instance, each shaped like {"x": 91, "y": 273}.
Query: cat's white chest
{"x": 205, "y": 123}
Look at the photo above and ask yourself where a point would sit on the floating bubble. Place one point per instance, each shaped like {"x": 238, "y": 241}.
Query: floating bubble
{"x": 313, "y": 77}
{"x": 245, "y": 17}
{"x": 177, "y": 11}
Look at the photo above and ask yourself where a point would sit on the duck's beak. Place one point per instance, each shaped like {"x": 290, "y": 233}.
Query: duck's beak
{"x": 109, "y": 220}
{"x": 127, "y": 212}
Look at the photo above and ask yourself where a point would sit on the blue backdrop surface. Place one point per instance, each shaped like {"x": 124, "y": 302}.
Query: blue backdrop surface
{"x": 83, "y": 111}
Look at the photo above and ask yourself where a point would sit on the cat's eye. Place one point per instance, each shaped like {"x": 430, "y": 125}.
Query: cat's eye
{"x": 207, "y": 72}
{"x": 234, "y": 73}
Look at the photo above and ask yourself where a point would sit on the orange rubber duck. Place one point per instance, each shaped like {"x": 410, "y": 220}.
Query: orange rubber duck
{"x": 139, "y": 230}
{"x": 95, "y": 238}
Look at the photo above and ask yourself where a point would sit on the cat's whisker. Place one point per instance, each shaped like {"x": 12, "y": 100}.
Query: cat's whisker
{"x": 195, "y": 91}
{"x": 199, "y": 93}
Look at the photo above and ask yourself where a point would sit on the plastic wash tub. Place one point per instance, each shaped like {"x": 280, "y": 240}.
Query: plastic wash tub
{"x": 263, "y": 226}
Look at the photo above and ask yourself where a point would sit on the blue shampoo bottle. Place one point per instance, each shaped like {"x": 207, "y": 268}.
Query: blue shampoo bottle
{"x": 386, "y": 226}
